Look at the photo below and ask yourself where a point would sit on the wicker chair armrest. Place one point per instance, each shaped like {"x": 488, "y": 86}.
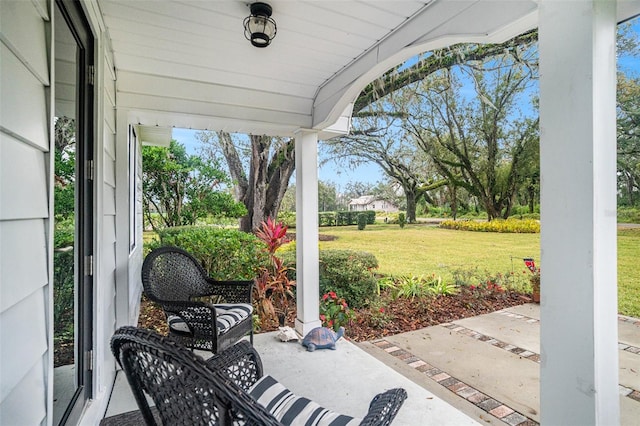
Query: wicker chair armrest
{"x": 229, "y": 291}
{"x": 240, "y": 362}
{"x": 384, "y": 407}
{"x": 180, "y": 307}
{"x": 199, "y": 317}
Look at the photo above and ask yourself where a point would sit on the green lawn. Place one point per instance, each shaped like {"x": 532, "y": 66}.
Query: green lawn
{"x": 628, "y": 272}
{"x": 420, "y": 249}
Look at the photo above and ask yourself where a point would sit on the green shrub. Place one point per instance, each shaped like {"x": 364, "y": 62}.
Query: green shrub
{"x": 288, "y": 218}
{"x": 362, "y": 221}
{"x": 348, "y": 273}
{"x": 289, "y": 247}
{"x": 520, "y": 210}
{"x": 402, "y": 219}
{"x": 390, "y": 218}
{"x": 219, "y": 221}
{"x": 371, "y": 217}
{"x": 63, "y": 280}
{"x": 497, "y": 225}
{"x": 436, "y": 211}
{"x": 227, "y": 254}
{"x": 327, "y": 219}
{"x": 64, "y": 233}
{"x": 628, "y": 215}
{"x": 345, "y": 218}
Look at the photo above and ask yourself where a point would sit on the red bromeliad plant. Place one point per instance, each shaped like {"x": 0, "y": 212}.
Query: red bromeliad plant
{"x": 273, "y": 289}
{"x": 274, "y": 235}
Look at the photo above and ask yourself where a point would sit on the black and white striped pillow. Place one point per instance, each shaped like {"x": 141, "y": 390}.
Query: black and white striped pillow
{"x": 295, "y": 410}
{"x": 227, "y": 316}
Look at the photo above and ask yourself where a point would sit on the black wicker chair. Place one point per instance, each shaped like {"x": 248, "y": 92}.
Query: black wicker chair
{"x": 189, "y": 391}
{"x": 176, "y": 281}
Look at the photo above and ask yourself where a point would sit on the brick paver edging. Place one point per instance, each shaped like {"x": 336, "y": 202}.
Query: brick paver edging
{"x": 532, "y": 356}
{"x": 463, "y": 390}
{"x": 621, "y": 318}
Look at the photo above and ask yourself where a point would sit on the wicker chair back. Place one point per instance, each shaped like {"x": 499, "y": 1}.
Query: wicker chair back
{"x": 187, "y": 390}
{"x": 172, "y": 274}
{"x": 202, "y": 313}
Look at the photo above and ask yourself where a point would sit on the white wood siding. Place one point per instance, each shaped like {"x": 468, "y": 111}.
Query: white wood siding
{"x": 105, "y": 290}
{"x": 25, "y": 354}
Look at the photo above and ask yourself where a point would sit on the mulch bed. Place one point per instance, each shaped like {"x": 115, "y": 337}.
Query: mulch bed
{"x": 388, "y": 317}
{"x": 402, "y": 315}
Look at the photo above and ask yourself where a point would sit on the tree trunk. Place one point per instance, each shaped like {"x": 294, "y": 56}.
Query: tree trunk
{"x": 454, "y": 201}
{"x": 412, "y": 199}
{"x": 262, "y": 191}
{"x": 531, "y": 191}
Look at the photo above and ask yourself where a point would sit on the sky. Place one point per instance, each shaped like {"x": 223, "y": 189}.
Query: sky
{"x": 328, "y": 173}
{"x": 371, "y": 173}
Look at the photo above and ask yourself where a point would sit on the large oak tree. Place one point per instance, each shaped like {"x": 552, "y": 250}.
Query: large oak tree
{"x": 260, "y": 167}
{"x": 484, "y": 137}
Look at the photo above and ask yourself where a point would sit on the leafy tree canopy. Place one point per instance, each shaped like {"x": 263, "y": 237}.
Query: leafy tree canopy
{"x": 183, "y": 188}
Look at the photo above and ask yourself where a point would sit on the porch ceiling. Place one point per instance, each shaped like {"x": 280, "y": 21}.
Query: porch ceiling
{"x": 187, "y": 64}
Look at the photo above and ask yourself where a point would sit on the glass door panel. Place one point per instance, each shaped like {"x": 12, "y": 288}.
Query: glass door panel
{"x": 73, "y": 210}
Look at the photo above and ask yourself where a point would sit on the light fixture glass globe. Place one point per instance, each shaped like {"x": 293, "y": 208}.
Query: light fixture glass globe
{"x": 259, "y": 27}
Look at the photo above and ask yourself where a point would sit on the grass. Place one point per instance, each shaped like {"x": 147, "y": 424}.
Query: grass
{"x": 425, "y": 250}
{"x": 628, "y": 272}
{"x": 420, "y": 249}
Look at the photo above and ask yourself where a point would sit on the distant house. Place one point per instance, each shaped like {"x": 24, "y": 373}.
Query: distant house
{"x": 369, "y": 202}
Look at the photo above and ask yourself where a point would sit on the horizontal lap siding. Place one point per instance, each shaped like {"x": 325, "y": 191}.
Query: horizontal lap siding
{"x": 107, "y": 239}
{"x": 23, "y": 180}
{"x": 22, "y": 407}
{"x": 24, "y": 212}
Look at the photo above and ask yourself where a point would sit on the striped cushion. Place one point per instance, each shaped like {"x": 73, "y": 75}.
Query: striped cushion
{"x": 294, "y": 410}
{"x": 228, "y": 315}
{"x": 231, "y": 314}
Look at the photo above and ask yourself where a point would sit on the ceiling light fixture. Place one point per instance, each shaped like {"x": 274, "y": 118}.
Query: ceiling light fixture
{"x": 259, "y": 27}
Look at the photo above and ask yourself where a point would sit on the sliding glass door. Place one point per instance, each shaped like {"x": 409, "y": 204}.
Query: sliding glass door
{"x": 73, "y": 207}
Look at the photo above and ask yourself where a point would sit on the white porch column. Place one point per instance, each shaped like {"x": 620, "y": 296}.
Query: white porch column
{"x": 579, "y": 364}
{"x": 308, "y": 288}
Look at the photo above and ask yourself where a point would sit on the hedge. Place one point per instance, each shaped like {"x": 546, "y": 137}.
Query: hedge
{"x": 227, "y": 254}
{"x": 530, "y": 226}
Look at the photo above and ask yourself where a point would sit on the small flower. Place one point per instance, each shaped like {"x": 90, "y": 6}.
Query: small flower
{"x": 382, "y": 310}
{"x": 334, "y": 311}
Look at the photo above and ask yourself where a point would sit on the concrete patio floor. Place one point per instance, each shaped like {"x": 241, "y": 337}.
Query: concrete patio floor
{"x": 344, "y": 380}
{"x": 483, "y": 369}
{"x": 489, "y": 366}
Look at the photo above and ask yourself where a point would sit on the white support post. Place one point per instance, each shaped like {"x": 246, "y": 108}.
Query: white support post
{"x": 308, "y": 287}
{"x": 579, "y": 331}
